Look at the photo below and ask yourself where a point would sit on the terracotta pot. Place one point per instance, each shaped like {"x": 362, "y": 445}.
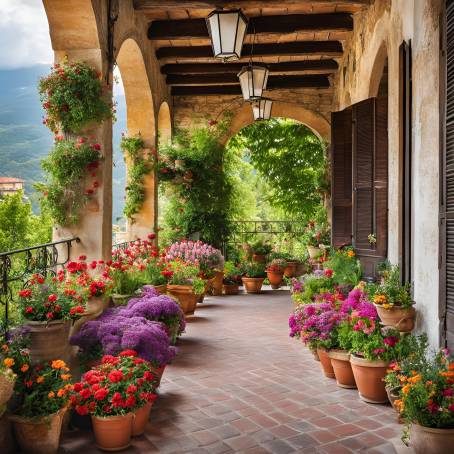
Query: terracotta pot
{"x": 314, "y": 252}
{"x": 208, "y": 284}
{"x": 253, "y": 284}
{"x": 94, "y": 308}
{"x": 275, "y": 278}
{"x": 159, "y": 372}
{"x": 185, "y": 296}
{"x": 113, "y": 433}
{"x": 161, "y": 289}
{"x": 259, "y": 258}
{"x": 314, "y": 354}
{"x": 6, "y": 388}
{"x": 49, "y": 341}
{"x": 427, "y": 440}
{"x": 401, "y": 319}
{"x": 231, "y": 289}
{"x": 141, "y": 417}
{"x": 369, "y": 377}
{"x": 301, "y": 269}
{"x": 340, "y": 360}
{"x": 38, "y": 436}
{"x": 7, "y": 443}
{"x": 290, "y": 269}
{"x": 325, "y": 362}
{"x": 120, "y": 300}
{"x": 393, "y": 395}
{"x": 216, "y": 286}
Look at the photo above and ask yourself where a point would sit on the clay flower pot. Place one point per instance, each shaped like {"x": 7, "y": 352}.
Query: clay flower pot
{"x": 275, "y": 278}
{"x": 428, "y": 440}
{"x": 314, "y": 354}
{"x": 38, "y": 436}
{"x": 159, "y": 372}
{"x": 120, "y": 300}
{"x": 259, "y": 258}
{"x": 216, "y": 286}
{"x": 113, "y": 433}
{"x": 314, "y": 252}
{"x": 161, "y": 289}
{"x": 253, "y": 284}
{"x": 185, "y": 296}
{"x": 325, "y": 362}
{"x": 403, "y": 319}
{"x": 231, "y": 289}
{"x": 48, "y": 340}
{"x": 340, "y": 360}
{"x": 141, "y": 417}
{"x": 369, "y": 377}
{"x": 290, "y": 269}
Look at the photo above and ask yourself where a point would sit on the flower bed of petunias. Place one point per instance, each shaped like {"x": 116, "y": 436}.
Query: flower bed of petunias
{"x": 206, "y": 256}
{"x": 119, "y": 385}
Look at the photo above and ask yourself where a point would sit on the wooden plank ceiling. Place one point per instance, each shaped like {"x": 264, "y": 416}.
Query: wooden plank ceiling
{"x": 301, "y": 41}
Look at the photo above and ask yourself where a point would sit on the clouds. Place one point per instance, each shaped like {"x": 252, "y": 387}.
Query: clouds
{"x": 24, "y": 34}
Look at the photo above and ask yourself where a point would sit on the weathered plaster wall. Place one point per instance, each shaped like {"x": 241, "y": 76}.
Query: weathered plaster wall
{"x": 378, "y": 33}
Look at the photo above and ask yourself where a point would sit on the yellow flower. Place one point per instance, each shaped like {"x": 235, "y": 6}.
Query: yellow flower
{"x": 8, "y": 362}
{"x": 351, "y": 253}
{"x": 399, "y": 404}
{"x": 406, "y": 388}
{"x": 51, "y": 395}
{"x": 24, "y": 367}
{"x": 415, "y": 379}
{"x": 65, "y": 376}
{"x": 58, "y": 364}
{"x": 40, "y": 379}
{"x": 380, "y": 299}
{"x": 386, "y": 306}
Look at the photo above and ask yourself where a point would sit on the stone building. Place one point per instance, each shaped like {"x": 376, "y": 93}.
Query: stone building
{"x": 10, "y": 185}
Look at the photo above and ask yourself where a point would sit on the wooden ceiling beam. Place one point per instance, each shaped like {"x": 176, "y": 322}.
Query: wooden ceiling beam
{"x": 329, "y": 48}
{"x": 234, "y": 68}
{"x": 291, "y": 23}
{"x": 311, "y": 80}
{"x": 153, "y": 5}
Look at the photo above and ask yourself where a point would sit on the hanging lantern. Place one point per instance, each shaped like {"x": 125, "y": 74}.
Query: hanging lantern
{"x": 261, "y": 109}
{"x": 253, "y": 80}
{"x": 227, "y": 30}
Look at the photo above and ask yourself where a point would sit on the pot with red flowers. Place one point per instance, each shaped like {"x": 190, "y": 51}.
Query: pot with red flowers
{"x": 113, "y": 393}
{"x": 275, "y": 272}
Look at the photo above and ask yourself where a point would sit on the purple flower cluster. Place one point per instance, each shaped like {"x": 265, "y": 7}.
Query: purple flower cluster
{"x": 120, "y": 329}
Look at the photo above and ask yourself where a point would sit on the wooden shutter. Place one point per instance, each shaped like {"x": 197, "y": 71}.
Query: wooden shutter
{"x": 341, "y": 177}
{"x": 370, "y": 182}
{"x": 405, "y": 107}
{"x": 447, "y": 187}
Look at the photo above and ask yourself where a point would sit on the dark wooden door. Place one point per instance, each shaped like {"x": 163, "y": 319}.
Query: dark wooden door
{"x": 370, "y": 182}
{"x": 447, "y": 187}
{"x": 341, "y": 177}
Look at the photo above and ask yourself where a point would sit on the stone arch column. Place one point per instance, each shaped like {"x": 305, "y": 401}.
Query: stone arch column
{"x": 164, "y": 124}
{"x": 76, "y": 32}
{"x": 140, "y": 119}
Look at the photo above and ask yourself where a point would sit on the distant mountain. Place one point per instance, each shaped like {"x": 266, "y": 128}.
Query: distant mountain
{"x": 24, "y": 140}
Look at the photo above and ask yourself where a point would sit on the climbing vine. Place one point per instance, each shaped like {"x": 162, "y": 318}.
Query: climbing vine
{"x": 140, "y": 164}
{"x": 71, "y": 178}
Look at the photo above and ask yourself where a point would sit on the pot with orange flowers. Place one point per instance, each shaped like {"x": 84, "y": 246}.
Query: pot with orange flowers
{"x": 118, "y": 395}
{"x": 49, "y": 304}
{"x": 41, "y": 397}
{"x": 275, "y": 272}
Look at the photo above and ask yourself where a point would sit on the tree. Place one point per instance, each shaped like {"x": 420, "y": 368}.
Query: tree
{"x": 291, "y": 159}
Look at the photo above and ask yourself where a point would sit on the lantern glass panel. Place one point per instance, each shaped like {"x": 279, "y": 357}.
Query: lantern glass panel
{"x": 261, "y": 109}
{"x": 253, "y": 80}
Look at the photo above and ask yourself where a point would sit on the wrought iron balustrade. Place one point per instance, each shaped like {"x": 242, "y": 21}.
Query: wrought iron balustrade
{"x": 18, "y": 266}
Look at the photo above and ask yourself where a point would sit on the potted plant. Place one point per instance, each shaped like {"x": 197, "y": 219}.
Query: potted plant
{"x": 231, "y": 278}
{"x": 275, "y": 272}
{"x": 372, "y": 350}
{"x": 41, "y": 397}
{"x": 346, "y": 269}
{"x": 126, "y": 280}
{"x": 48, "y": 308}
{"x": 394, "y": 303}
{"x": 253, "y": 276}
{"x": 291, "y": 266}
{"x": 154, "y": 276}
{"x": 426, "y": 404}
{"x": 259, "y": 251}
{"x": 185, "y": 284}
{"x": 111, "y": 393}
{"x": 316, "y": 235}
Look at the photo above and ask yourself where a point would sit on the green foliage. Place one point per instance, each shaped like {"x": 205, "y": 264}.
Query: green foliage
{"x": 261, "y": 248}
{"x": 231, "y": 273}
{"x": 391, "y": 292}
{"x": 72, "y": 96}
{"x": 67, "y": 165}
{"x": 253, "y": 269}
{"x": 139, "y": 165}
{"x": 292, "y": 161}
{"x": 313, "y": 285}
{"x": 194, "y": 174}
{"x": 346, "y": 267}
{"x": 126, "y": 282}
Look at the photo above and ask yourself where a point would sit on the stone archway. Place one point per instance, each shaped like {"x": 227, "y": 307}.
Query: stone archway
{"x": 378, "y": 68}
{"x": 140, "y": 119}
{"x": 317, "y": 123}
{"x": 164, "y": 124}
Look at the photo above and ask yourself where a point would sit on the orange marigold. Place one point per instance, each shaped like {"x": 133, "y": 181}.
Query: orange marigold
{"x": 8, "y": 362}
{"x": 51, "y": 395}
{"x": 58, "y": 364}
{"x": 40, "y": 379}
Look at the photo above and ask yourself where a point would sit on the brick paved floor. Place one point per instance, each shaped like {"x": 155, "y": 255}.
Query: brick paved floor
{"x": 240, "y": 384}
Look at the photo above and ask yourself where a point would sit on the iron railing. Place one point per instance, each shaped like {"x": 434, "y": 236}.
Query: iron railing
{"x": 18, "y": 266}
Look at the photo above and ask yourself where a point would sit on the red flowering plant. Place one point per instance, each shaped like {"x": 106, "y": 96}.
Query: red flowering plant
{"x": 276, "y": 266}
{"x": 119, "y": 385}
{"x": 41, "y": 390}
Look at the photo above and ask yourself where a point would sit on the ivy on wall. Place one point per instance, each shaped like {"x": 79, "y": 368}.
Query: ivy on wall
{"x": 140, "y": 164}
